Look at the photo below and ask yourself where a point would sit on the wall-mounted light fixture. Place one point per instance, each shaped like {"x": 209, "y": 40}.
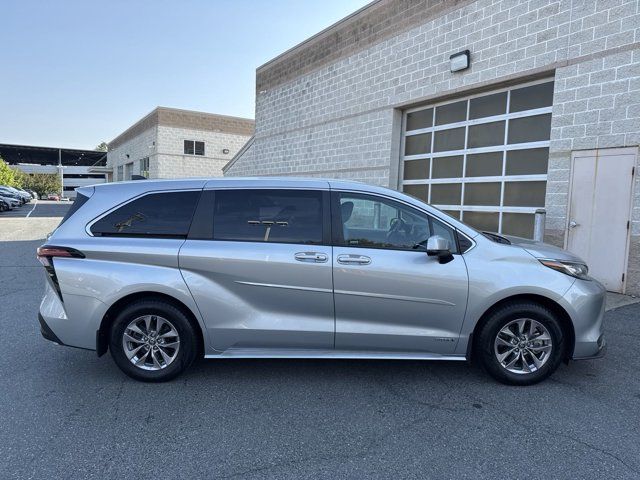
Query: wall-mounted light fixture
{"x": 225, "y": 151}
{"x": 460, "y": 61}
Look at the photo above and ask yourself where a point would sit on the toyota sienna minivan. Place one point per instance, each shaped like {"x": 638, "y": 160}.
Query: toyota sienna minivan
{"x": 164, "y": 272}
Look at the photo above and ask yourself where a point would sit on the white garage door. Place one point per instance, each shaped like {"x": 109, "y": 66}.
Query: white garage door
{"x": 483, "y": 158}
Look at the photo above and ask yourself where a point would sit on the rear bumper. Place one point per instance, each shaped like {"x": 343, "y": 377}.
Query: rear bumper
{"x": 73, "y": 323}
{"x": 46, "y": 331}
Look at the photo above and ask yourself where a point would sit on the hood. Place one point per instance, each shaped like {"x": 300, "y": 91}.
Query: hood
{"x": 543, "y": 250}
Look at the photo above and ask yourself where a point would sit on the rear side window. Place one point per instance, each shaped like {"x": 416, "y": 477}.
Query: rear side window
{"x": 276, "y": 216}
{"x": 166, "y": 214}
{"x": 77, "y": 203}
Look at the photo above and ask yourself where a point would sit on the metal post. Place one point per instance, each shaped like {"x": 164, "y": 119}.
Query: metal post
{"x": 539, "y": 224}
{"x": 61, "y": 174}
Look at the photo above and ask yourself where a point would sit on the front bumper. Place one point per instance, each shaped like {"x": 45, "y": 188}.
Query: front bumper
{"x": 602, "y": 350}
{"x": 585, "y": 302}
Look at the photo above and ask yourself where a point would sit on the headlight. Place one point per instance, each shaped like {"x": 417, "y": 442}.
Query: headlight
{"x": 578, "y": 270}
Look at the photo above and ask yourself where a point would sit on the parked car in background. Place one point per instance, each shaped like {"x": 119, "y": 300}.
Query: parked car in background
{"x": 12, "y": 201}
{"x": 162, "y": 272}
{"x": 10, "y": 193}
{"x": 53, "y": 196}
{"x": 33, "y": 194}
{"x": 21, "y": 193}
{"x": 5, "y": 204}
{"x": 26, "y": 194}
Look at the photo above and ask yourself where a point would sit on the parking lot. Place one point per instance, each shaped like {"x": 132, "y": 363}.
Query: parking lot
{"x": 37, "y": 209}
{"x": 64, "y": 412}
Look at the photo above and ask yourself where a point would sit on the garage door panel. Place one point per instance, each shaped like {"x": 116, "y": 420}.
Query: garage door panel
{"x": 485, "y": 157}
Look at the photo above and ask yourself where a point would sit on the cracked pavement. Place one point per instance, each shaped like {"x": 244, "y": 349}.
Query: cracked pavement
{"x": 64, "y": 412}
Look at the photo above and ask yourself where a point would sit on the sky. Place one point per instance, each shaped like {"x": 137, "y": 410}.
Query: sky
{"x": 74, "y": 73}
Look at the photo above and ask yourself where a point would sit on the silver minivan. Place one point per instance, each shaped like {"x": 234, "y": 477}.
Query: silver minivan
{"x": 164, "y": 272}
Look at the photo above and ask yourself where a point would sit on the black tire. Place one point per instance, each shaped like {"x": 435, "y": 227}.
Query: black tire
{"x": 188, "y": 340}
{"x": 486, "y": 336}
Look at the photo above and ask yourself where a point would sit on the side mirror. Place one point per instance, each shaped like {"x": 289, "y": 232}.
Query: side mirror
{"x": 438, "y": 246}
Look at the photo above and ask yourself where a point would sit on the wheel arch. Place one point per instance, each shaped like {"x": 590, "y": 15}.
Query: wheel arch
{"x": 102, "y": 335}
{"x": 565, "y": 319}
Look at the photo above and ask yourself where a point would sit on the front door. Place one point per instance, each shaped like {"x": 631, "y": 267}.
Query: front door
{"x": 599, "y": 212}
{"x": 388, "y": 295}
{"x": 261, "y": 274}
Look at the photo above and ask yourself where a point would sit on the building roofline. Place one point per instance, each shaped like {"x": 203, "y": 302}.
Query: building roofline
{"x": 132, "y": 127}
{"x": 208, "y": 114}
{"x": 40, "y": 147}
{"x": 318, "y": 36}
{"x": 177, "y": 117}
{"x": 237, "y": 156}
{"x": 368, "y": 26}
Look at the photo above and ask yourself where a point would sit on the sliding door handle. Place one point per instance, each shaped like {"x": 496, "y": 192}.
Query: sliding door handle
{"x": 313, "y": 257}
{"x": 354, "y": 259}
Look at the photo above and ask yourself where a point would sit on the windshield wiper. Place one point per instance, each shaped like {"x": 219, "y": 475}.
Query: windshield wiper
{"x": 496, "y": 238}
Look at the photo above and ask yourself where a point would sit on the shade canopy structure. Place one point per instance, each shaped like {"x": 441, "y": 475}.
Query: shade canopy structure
{"x": 69, "y": 157}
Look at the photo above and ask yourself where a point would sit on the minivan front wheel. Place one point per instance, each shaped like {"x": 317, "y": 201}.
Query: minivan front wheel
{"x": 152, "y": 340}
{"x": 520, "y": 343}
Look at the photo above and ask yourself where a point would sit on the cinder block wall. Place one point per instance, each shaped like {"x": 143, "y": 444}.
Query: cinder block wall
{"x": 165, "y": 148}
{"x": 330, "y": 107}
{"x": 336, "y": 118}
{"x": 137, "y": 148}
{"x": 173, "y": 163}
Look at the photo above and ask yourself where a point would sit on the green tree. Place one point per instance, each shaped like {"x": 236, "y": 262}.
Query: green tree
{"x": 19, "y": 178}
{"x": 42, "y": 183}
{"x": 102, "y": 147}
{"x": 7, "y": 174}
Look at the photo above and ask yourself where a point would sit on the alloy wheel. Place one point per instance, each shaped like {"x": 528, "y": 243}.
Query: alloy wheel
{"x": 151, "y": 342}
{"x": 523, "y": 346}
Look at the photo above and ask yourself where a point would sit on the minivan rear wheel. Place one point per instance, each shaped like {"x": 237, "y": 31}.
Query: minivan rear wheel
{"x": 152, "y": 340}
{"x": 520, "y": 343}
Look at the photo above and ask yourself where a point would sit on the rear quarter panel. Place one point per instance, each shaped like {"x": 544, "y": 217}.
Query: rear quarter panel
{"x": 115, "y": 268}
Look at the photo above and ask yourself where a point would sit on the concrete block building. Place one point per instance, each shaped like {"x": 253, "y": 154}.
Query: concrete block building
{"x": 172, "y": 143}
{"x": 488, "y": 109}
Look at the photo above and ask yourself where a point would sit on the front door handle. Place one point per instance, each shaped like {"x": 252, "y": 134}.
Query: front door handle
{"x": 314, "y": 257}
{"x": 354, "y": 259}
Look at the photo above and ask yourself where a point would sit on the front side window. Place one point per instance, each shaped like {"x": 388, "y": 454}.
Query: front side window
{"x": 193, "y": 147}
{"x": 166, "y": 214}
{"x": 368, "y": 221}
{"x": 275, "y": 216}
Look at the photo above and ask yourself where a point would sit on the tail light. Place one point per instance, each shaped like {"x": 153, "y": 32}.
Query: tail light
{"x": 47, "y": 253}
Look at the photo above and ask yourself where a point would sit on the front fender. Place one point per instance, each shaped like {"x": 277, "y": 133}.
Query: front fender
{"x": 498, "y": 274}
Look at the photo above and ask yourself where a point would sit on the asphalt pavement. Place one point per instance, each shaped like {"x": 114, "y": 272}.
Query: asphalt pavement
{"x": 38, "y": 208}
{"x": 66, "y": 413}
